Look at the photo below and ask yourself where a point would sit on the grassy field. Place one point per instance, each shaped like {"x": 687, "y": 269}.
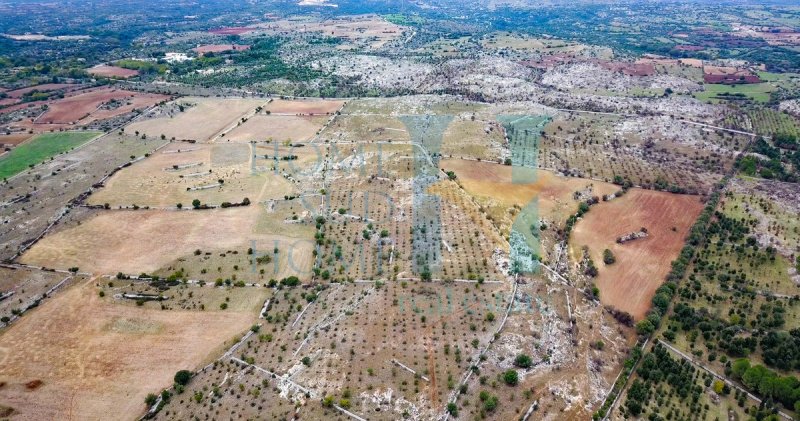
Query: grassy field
{"x": 39, "y": 149}
{"x": 758, "y": 92}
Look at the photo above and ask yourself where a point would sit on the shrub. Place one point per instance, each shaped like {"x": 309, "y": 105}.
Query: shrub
{"x": 182, "y": 377}
{"x": 452, "y": 409}
{"x": 645, "y": 327}
{"x": 511, "y": 377}
{"x": 150, "y": 399}
{"x": 608, "y": 257}
{"x": 523, "y": 361}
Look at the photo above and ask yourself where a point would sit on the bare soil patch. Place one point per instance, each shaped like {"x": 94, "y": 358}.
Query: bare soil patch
{"x": 201, "y": 120}
{"x": 14, "y": 139}
{"x": 234, "y": 30}
{"x": 104, "y": 70}
{"x": 220, "y": 48}
{"x": 59, "y": 364}
{"x": 641, "y": 266}
{"x": 495, "y": 181}
{"x": 46, "y": 87}
{"x": 145, "y": 241}
{"x": 177, "y": 173}
{"x": 96, "y": 105}
{"x": 311, "y": 107}
{"x": 278, "y": 128}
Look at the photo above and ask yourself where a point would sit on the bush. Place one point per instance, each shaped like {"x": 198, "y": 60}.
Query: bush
{"x": 452, "y": 409}
{"x": 150, "y": 399}
{"x": 523, "y": 361}
{"x": 645, "y": 327}
{"x": 608, "y": 257}
{"x": 182, "y": 377}
{"x": 489, "y": 402}
{"x": 511, "y": 377}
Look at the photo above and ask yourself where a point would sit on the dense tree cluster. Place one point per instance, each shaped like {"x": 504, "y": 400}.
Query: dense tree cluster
{"x": 779, "y": 162}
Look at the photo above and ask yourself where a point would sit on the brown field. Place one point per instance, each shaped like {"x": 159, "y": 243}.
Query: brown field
{"x": 472, "y": 139}
{"x": 219, "y": 48}
{"x": 14, "y": 139}
{"x": 145, "y": 241}
{"x": 235, "y": 30}
{"x": 361, "y": 128}
{"x": 370, "y": 30}
{"x": 104, "y": 70}
{"x": 313, "y": 107}
{"x": 642, "y": 265}
{"x": 203, "y": 120}
{"x": 153, "y": 182}
{"x": 27, "y": 286}
{"x": 494, "y": 182}
{"x": 91, "y": 367}
{"x": 47, "y": 87}
{"x": 85, "y": 106}
{"x": 278, "y": 128}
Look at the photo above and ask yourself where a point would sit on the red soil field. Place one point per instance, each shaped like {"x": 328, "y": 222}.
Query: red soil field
{"x": 219, "y": 48}
{"x": 47, "y": 87}
{"x": 103, "y": 70}
{"x": 643, "y": 264}
{"x": 85, "y": 105}
{"x": 234, "y": 30}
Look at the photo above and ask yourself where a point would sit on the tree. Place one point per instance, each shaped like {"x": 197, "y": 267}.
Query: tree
{"x": 196, "y": 203}
{"x": 523, "y": 361}
{"x": 452, "y": 409}
{"x": 182, "y": 377}
{"x": 511, "y": 377}
{"x": 645, "y": 327}
{"x": 752, "y": 377}
{"x": 739, "y": 367}
{"x": 608, "y": 257}
{"x": 150, "y": 399}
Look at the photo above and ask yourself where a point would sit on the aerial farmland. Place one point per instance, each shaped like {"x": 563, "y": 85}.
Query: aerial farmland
{"x": 429, "y": 211}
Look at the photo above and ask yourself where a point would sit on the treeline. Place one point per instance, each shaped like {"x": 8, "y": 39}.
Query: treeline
{"x": 767, "y": 383}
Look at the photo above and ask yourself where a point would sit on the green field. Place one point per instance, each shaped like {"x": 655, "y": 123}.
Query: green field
{"x": 758, "y": 92}
{"x": 768, "y": 122}
{"x": 39, "y": 149}
{"x": 403, "y": 19}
